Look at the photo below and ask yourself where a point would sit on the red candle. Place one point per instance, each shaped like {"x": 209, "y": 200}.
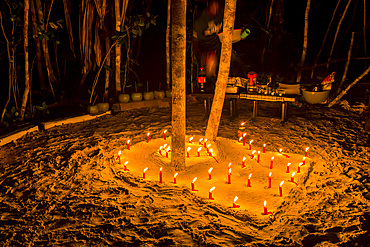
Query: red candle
{"x": 187, "y": 151}
{"x": 128, "y": 144}
{"x": 229, "y": 177}
{"x": 244, "y": 138}
{"x": 147, "y": 138}
{"x": 280, "y": 150}
{"x": 281, "y": 188}
{"x": 210, "y": 152}
{"x": 199, "y": 151}
{"x": 306, "y": 153}
{"x": 299, "y": 168}
{"x": 200, "y": 141}
{"x": 243, "y": 163}
{"x": 304, "y": 161}
{"x": 193, "y": 185}
{"x": 210, "y": 193}
{"x": 253, "y": 154}
{"x": 145, "y": 169}
{"x": 250, "y": 145}
{"x": 174, "y": 178}
{"x": 205, "y": 142}
{"x": 265, "y": 209}
{"x": 270, "y": 179}
{"x": 234, "y": 204}
{"x": 264, "y": 148}
{"x": 209, "y": 173}
{"x": 287, "y": 168}
{"x": 160, "y": 150}
{"x": 190, "y": 139}
{"x": 292, "y": 178}
{"x": 258, "y": 157}
{"x": 119, "y": 157}
{"x": 207, "y": 147}
{"x": 125, "y": 167}
{"x": 160, "y": 176}
{"x": 272, "y": 162}
{"x": 240, "y": 139}
{"x": 249, "y": 180}
{"x": 164, "y": 134}
{"x": 167, "y": 151}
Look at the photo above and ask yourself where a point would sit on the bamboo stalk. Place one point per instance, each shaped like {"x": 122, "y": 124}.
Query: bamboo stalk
{"x": 347, "y": 63}
{"x": 168, "y": 65}
{"x": 364, "y": 31}
{"x": 26, "y": 62}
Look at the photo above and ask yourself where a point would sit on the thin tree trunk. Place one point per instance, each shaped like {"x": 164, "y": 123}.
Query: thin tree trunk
{"x": 26, "y": 62}
{"x": 348, "y": 88}
{"x": 223, "y": 73}
{"x": 305, "y": 37}
{"x": 267, "y": 27}
{"x": 168, "y": 65}
{"x": 178, "y": 46}
{"x": 364, "y": 31}
{"x": 336, "y": 33}
{"x": 347, "y": 63}
{"x": 107, "y": 72}
{"x": 66, "y": 6}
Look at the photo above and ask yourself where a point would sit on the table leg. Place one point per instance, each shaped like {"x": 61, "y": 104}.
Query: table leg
{"x": 255, "y": 106}
{"x": 283, "y": 110}
{"x": 235, "y": 113}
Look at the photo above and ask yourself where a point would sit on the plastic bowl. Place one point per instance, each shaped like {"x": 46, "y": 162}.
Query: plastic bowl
{"x": 315, "y": 97}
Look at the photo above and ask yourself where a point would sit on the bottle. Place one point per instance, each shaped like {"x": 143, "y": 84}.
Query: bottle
{"x": 201, "y": 79}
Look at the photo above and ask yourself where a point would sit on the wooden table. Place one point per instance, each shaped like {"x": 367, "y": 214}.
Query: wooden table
{"x": 208, "y": 102}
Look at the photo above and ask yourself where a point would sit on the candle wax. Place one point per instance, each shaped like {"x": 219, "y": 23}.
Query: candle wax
{"x": 211, "y": 196}
{"x": 281, "y": 191}
{"x": 269, "y": 182}
{"x": 236, "y": 206}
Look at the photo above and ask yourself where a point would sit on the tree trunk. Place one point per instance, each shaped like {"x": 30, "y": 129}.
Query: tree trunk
{"x": 364, "y": 31}
{"x": 66, "y": 6}
{"x": 347, "y": 63}
{"x": 26, "y": 63}
{"x": 107, "y": 72}
{"x": 168, "y": 64}
{"x": 223, "y": 73}
{"x": 305, "y": 36}
{"x": 178, "y": 45}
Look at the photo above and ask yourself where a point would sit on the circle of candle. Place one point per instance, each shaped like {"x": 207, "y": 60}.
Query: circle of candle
{"x": 147, "y": 138}
{"x": 199, "y": 151}
{"x": 125, "y": 166}
{"x": 119, "y": 157}
{"x": 229, "y": 177}
{"x": 292, "y": 178}
{"x": 205, "y": 142}
{"x": 234, "y": 204}
{"x": 306, "y": 153}
{"x": 299, "y": 167}
{"x": 187, "y": 151}
{"x": 265, "y": 209}
{"x": 145, "y": 169}
{"x": 250, "y": 144}
{"x": 287, "y": 168}
{"x": 209, "y": 173}
{"x": 258, "y": 157}
{"x": 128, "y": 144}
{"x": 210, "y": 193}
{"x": 243, "y": 163}
{"x": 164, "y": 134}
{"x": 174, "y": 178}
{"x": 200, "y": 141}
{"x": 272, "y": 162}
{"x": 244, "y": 138}
{"x": 193, "y": 185}
{"x": 281, "y": 188}
{"x": 304, "y": 161}
{"x": 160, "y": 175}
{"x": 249, "y": 180}
{"x": 264, "y": 148}
{"x": 270, "y": 179}
{"x": 190, "y": 139}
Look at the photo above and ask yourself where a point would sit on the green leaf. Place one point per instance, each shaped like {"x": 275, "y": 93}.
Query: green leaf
{"x": 107, "y": 68}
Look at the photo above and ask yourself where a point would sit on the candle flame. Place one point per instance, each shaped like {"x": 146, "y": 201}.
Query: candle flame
{"x": 282, "y": 182}
{"x": 288, "y": 164}
{"x": 201, "y": 139}
{"x": 270, "y": 174}
{"x": 176, "y": 174}
{"x": 212, "y": 189}
{"x": 253, "y": 151}
{"x": 208, "y": 145}
{"x": 250, "y": 175}
{"x": 293, "y": 174}
{"x": 119, "y": 153}
{"x": 145, "y": 169}
{"x": 264, "y": 203}
{"x": 165, "y": 145}
{"x": 191, "y": 138}
{"x": 272, "y": 158}
{"x": 244, "y": 158}
{"x": 126, "y": 162}
{"x": 236, "y": 198}
{"x": 210, "y": 170}
{"x": 164, "y": 131}
{"x": 199, "y": 149}
{"x": 168, "y": 149}
{"x": 211, "y": 150}
{"x": 300, "y": 164}
{"x": 258, "y": 152}
{"x": 251, "y": 142}
{"x": 240, "y": 138}
{"x": 242, "y": 124}
{"x": 195, "y": 179}
{"x": 128, "y": 141}
{"x": 188, "y": 149}
{"x": 148, "y": 134}
{"x": 307, "y": 148}
{"x": 205, "y": 140}
{"x": 229, "y": 165}
{"x": 229, "y": 171}
{"x": 160, "y": 148}
{"x": 244, "y": 134}
{"x": 264, "y": 145}
{"x": 280, "y": 150}
{"x": 160, "y": 169}
{"x": 304, "y": 158}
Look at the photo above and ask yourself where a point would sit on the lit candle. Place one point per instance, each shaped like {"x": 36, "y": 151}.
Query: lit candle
{"x": 119, "y": 157}
{"x": 193, "y": 185}
{"x": 265, "y": 209}
{"x": 187, "y": 151}
{"x": 250, "y": 145}
{"x": 190, "y": 140}
{"x": 174, "y": 178}
{"x": 281, "y": 188}
{"x": 164, "y": 134}
{"x": 160, "y": 150}
{"x": 270, "y": 179}
{"x": 253, "y": 154}
{"x": 272, "y": 162}
{"x": 280, "y": 150}
{"x": 128, "y": 144}
{"x": 304, "y": 161}
{"x": 249, "y": 180}
{"x": 147, "y": 138}
{"x": 299, "y": 167}
{"x": 209, "y": 173}
{"x": 167, "y": 151}
{"x": 207, "y": 147}
{"x": 210, "y": 152}
{"x": 258, "y": 157}
{"x": 244, "y": 138}
{"x": 240, "y": 139}
{"x": 200, "y": 141}
{"x": 145, "y": 169}
{"x": 243, "y": 163}
{"x": 125, "y": 166}
{"x": 264, "y": 148}
{"x": 306, "y": 153}
{"x": 292, "y": 178}
{"x": 242, "y": 127}
{"x": 229, "y": 177}
{"x": 210, "y": 193}
{"x": 229, "y": 165}
{"x": 160, "y": 175}
{"x": 205, "y": 142}
{"x": 234, "y": 204}
{"x": 199, "y": 151}
{"x": 287, "y": 168}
